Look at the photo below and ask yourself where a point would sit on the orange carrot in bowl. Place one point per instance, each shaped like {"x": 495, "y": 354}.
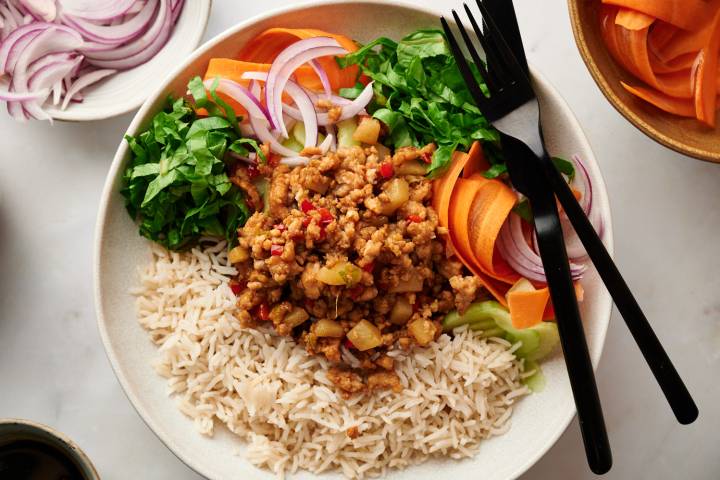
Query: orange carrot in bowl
{"x": 266, "y": 46}
{"x": 672, "y": 47}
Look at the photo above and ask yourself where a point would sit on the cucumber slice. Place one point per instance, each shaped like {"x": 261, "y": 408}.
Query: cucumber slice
{"x": 477, "y": 312}
{"x": 298, "y": 133}
{"x": 536, "y": 381}
{"x": 491, "y": 332}
{"x": 549, "y": 339}
{"x": 293, "y": 144}
{"x": 530, "y": 338}
{"x": 483, "y": 325}
{"x": 345, "y": 131}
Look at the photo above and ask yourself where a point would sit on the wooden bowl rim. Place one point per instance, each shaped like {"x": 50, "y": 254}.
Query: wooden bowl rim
{"x": 621, "y": 107}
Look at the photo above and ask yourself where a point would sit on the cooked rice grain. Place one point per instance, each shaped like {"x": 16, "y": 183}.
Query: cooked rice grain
{"x": 274, "y": 395}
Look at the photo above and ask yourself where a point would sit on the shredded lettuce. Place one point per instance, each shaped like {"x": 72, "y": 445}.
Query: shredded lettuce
{"x": 176, "y": 184}
{"x": 420, "y": 95}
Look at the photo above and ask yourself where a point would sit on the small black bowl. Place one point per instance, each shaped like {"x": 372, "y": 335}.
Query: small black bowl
{"x": 33, "y": 450}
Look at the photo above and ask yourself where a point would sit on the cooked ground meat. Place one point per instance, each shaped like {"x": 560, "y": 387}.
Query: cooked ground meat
{"x": 348, "y": 256}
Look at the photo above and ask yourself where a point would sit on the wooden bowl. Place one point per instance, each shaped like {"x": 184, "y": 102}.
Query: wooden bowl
{"x": 684, "y": 135}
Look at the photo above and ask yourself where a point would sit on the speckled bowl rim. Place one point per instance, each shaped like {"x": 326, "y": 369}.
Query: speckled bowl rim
{"x": 59, "y": 440}
{"x": 603, "y": 317}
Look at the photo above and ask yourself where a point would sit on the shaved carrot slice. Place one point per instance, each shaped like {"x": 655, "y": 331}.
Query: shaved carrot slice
{"x": 706, "y": 77}
{"x": 678, "y": 64}
{"x": 234, "y": 69}
{"x": 476, "y": 164}
{"x": 687, "y": 41}
{"x": 633, "y": 20}
{"x": 443, "y": 186}
{"x": 489, "y": 209}
{"x": 442, "y": 195}
{"x": 687, "y": 14}
{"x": 477, "y": 211}
{"x": 677, "y": 106}
{"x": 661, "y": 34}
{"x": 266, "y": 46}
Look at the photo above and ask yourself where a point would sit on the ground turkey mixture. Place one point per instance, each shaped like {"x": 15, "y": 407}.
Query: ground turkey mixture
{"x": 348, "y": 254}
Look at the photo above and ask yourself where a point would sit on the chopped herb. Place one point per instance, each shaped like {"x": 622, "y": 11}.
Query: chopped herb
{"x": 565, "y": 167}
{"x": 420, "y": 95}
{"x": 176, "y": 184}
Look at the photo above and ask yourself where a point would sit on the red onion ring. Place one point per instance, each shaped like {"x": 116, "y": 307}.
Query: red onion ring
{"x": 308, "y": 115}
{"x": 327, "y": 143}
{"x": 41, "y": 9}
{"x": 96, "y": 9}
{"x": 6, "y": 96}
{"x": 117, "y": 33}
{"x": 348, "y": 111}
{"x": 84, "y": 81}
{"x": 55, "y": 39}
{"x": 102, "y": 51}
{"x": 289, "y": 60}
{"x": 322, "y": 75}
{"x": 517, "y": 253}
{"x": 241, "y": 95}
{"x": 16, "y": 42}
{"x": 144, "y": 48}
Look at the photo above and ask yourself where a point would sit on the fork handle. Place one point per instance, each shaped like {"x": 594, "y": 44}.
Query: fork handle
{"x": 570, "y": 328}
{"x": 666, "y": 375}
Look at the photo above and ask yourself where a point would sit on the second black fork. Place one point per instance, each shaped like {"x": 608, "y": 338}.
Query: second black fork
{"x": 513, "y": 109}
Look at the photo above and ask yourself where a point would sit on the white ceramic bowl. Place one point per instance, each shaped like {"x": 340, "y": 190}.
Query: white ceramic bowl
{"x": 538, "y": 420}
{"x": 127, "y": 90}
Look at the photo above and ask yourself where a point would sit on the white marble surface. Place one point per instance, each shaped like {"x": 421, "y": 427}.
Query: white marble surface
{"x": 53, "y": 368}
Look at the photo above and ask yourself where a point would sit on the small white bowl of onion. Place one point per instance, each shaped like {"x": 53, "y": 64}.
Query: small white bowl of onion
{"x": 83, "y": 60}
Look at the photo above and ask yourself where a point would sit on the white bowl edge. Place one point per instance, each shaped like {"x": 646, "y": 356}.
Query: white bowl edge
{"x": 152, "y": 102}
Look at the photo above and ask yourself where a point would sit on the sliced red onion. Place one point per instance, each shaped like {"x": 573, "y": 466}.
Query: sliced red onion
{"x": 241, "y": 95}
{"x": 41, "y": 9}
{"x": 327, "y": 143}
{"x": 48, "y": 60}
{"x": 6, "y": 96}
{"x": 16, "y": 42}
{"x": 348, "y": 111}
{"x": 96, "y": 9}
{"x": 84, "y": 81}
{"x": 102, "y": 51}
{"x": 114, "y": 34}
{"x": 260, "y": 127}
{"x": 176, "y": 6}
{"x": 8, "y": 21}
{"x": 322, "y": 75}
{"x": 142, "y": 50}
{"x": 51, "y": 74}
{"x": 517, "y": 253}
{"x": 57, "y": 92}
{"x": 330, "y": 132}
{"x": 305, "y": 106}
{"x": 289, "y": 60}
{"x": 57, "y": 38}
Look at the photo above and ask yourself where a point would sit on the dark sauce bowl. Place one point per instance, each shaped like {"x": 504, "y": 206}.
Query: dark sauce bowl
{"x": 32, "y": 450}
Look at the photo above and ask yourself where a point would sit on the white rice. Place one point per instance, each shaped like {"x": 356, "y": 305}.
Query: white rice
{"x": 276, "y": 397}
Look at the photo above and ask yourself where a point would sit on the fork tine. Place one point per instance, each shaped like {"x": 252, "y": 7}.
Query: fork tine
{"x": 503, "y": 13}
{"x": 487, "y": 74}
{"x": 475, "y": 91}
{"x": 504, "y": 50}
{"x": 493, "y": 64}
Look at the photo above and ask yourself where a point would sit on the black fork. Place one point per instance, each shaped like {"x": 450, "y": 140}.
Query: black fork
{"x": 513, "y": 109}
{"x": 665, "y": 373}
